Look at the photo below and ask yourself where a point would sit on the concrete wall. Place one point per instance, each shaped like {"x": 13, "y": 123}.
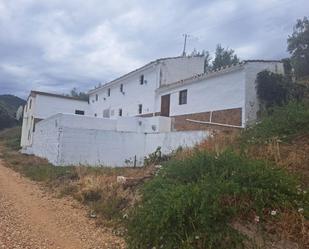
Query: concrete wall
{"x": 64, "y": 141}
{"x": 110, "y": 148}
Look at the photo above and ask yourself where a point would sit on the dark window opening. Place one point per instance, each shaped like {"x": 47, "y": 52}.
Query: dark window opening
{"x": 30, "y": 104}
{"x": 121, "y": 88}
{"x": 141, "y": 79}
{"x": 120, "y": 112}
{"x": 95, "y": 114}
{"x": 79, "y": 112}
{"x": 183, "y": 97}
{"x": 108, "y": 92}
{"x": 106, "y": 113}
{"x": 140, "y": 109}
{"x": 96, "y": 97}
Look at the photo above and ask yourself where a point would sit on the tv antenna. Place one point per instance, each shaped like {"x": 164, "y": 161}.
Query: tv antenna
{"x": 186, "y": 36}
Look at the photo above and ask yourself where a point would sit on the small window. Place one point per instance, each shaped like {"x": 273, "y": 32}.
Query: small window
{"x": 95, "y": 114}
{"x": 30, "y": 104}
{"x": 108, "y": 92}
{"x": 140, "y": 109}
{"x": 106, "y": 113}
{"x": 79, "y": 112}
{"x": 96, "y": 97}
{"x": 183, "y": 97}
{"x": 120, "y": 112}
{"x": 121, "y": 88}
{"x": 141, "y": 79}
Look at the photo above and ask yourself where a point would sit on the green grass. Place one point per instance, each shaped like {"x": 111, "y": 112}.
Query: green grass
{"x": 283, "y": 122}
{"x": 192, "y": 202}
{"x": 35, "y": 168}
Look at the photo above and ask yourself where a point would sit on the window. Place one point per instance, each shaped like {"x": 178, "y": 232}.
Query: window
{"x": 108, "y": 92}
{"x": 95, "y": 114}
{"x": 30, "y": 104}
{"x": 141, "y": 79}
{"x": 79, "y": 112}
{"x": 140, "y": 109}
{"x": 106, "y": 113}
{"x": 120, "y": 112}
{"x": 96, "y": 97}
{"x": 183, "y": 97}
{"x": 121, "y": 88}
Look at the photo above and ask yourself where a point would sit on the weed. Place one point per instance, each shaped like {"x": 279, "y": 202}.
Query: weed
{"x": 192, "y": 201}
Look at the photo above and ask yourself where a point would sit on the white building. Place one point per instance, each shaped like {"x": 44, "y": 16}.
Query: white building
{"x": 222, "y": 97}
{"x": 134, "y": 93}
{"x": 41, "y": 105}
{"x": 123, "y": 121}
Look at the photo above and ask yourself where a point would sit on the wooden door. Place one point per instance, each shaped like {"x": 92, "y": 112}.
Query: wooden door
{"x": 165, "y": 105}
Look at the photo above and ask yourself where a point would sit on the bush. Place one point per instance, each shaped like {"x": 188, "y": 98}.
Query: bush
{"x": 282, "y": 122}
{"x": 275, "y": 89}
{"x": 192, "y": 202}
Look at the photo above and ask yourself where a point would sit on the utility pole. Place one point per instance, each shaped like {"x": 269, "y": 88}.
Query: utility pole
{"x": 185, "y": 44}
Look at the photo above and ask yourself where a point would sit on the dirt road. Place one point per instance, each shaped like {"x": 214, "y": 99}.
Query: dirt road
{"x": 31, "y": 218}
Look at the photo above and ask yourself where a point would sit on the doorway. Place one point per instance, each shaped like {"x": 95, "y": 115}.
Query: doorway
{"x": 165, "y": 105}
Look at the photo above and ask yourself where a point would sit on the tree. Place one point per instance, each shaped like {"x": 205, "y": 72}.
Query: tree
{"x": 224, "y": 57}
{"x": 207, "y": 65}
{"x": 81, "y": 95}
{"x": 298, "y": 46}
{"x": 275, "y": 89}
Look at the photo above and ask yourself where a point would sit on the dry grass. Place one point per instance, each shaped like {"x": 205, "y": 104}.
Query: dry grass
{"x": 292, "y": 156}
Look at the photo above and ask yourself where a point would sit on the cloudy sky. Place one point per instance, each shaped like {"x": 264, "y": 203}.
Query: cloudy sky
{"x": 55, "y": 45}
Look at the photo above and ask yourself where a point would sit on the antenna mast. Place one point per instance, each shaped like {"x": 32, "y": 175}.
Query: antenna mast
{"x": 185, "y": 44}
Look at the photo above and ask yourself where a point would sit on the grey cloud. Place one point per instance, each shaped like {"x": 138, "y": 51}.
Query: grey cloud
{"x": 56, "y": 45}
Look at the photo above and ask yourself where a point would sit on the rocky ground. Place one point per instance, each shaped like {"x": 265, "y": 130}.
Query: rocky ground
{"x": 32, "y": 218}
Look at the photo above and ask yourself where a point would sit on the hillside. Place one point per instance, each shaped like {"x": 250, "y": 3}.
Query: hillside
{"x": 8, "y": 107}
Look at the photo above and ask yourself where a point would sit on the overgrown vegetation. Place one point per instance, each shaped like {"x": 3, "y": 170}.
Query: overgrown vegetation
{"x": 277, "y": 90}
{"x": 193, "y": 202}
{"x": 282, "y": 122}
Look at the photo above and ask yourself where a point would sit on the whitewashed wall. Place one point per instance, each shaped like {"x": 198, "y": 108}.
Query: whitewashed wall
{"x": 64, "y": 141}
{"x": 163, "y": 72}
{"x": 134, "y": 94}
{"x": 43, "y": 106}
{"x": 28, "y": 119}
{"x": 47, "y": 106}
{"x": 217, "y": 93}
{"x": 180, "y": 68}
{"x": 116, "y": 149}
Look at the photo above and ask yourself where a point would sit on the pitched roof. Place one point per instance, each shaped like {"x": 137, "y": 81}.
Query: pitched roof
{"x": 33, "y": 93}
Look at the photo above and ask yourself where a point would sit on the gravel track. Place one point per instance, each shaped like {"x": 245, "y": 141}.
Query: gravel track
{"x": 31, "y": 218}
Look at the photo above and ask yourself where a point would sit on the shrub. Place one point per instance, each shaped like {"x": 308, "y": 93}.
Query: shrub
{"x": 283, "y": 122}
{"x": 192, "y": 202}
{"x": 275, "y": 89}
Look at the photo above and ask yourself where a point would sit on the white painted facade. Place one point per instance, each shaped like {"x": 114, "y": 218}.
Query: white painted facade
{"x": 42, "y": 105}
{"x": 232, "y": 87}
{"x": 155, "y": 74}
{"x": 65, "y": 139}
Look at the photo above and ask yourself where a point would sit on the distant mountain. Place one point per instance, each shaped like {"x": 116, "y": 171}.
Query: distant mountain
{"x": 8, "y": 107}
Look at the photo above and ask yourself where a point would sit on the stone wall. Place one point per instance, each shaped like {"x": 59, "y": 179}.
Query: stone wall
{"x": 224, "y": 117}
